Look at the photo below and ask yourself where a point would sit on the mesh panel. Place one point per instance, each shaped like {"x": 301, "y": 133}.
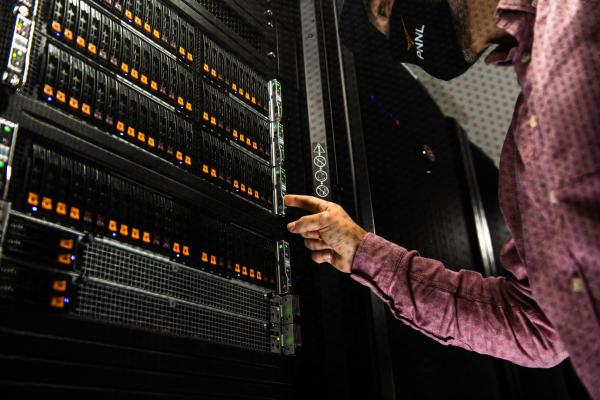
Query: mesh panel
{"x": 113, "y": 304}
{"x": 130, "y": 269}
{"x": 233, "y": 21}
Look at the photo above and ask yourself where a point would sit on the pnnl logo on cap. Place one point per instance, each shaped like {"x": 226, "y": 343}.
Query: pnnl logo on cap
{"x": 419, "y": 36}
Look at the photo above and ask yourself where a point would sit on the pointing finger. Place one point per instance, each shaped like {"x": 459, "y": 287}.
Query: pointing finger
{"x": 308, "y": 203}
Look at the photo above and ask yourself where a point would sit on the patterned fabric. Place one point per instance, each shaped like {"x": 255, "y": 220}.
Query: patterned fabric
{"x": 550, "y": 196}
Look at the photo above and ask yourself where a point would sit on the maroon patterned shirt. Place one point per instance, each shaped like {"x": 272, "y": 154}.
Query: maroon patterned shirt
{"x": 549, "y": 307}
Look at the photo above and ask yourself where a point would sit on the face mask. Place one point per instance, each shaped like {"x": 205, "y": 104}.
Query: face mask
{"x": 423, "y": 33}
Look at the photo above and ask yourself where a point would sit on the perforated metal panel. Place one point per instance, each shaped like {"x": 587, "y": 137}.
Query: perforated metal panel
{"x": 482, "y": 101}
{"x": 161, "y": 277}
{"x": 133, "y": 308}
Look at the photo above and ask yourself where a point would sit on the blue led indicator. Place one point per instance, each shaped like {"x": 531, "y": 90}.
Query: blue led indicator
{"x": 67, "y": 300}
{"x": 114, "y": 234}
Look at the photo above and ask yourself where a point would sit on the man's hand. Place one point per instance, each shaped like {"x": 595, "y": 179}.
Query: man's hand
{"x": 329, "y": 233}
{"x": 379, "y": 12}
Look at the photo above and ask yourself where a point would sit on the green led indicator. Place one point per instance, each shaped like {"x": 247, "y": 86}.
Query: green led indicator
{"x": 2, "y": 164}
{"x": 7, "y": 129}
{"x": 289, "y": 341}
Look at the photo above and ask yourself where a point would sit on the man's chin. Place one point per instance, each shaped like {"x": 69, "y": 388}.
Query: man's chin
{"x": 472, "y": 56}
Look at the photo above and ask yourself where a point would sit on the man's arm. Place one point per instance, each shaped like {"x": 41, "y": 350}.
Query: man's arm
{"x": 494, "y": 316}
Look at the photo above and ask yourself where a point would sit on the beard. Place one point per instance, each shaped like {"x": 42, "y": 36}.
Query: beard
{"x": 460, "y": 15}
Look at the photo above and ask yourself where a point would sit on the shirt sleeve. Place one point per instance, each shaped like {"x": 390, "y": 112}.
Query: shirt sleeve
{"x": 496, "y": 316}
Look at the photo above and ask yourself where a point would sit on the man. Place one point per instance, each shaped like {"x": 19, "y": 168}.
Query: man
{"x": 549, "y": 306}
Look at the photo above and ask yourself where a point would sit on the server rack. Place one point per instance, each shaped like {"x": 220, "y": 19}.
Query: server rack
{"x": 144, "y": 246}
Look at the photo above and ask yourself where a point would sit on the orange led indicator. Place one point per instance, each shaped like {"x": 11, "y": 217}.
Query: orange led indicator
{"x": 64, "y": 259}
{"x": 86, "y": 109}
{"x": 124, "y": 230}
{"x": 59, "y": 286}
{"x": 48, "y": 91}
{"x": 213, "y": 260}
{"x": 61, "y": 208}
{"x": 60, "y": 96}
{"x": 186, "y": 251}
{"x": 146, "y": 237}
{"x": 92, "y": 48}
{"x": 74, "y": 214}
{"x": 80, "y": 41}
{"x": 131, "y": 131}
{"x": 74, "y": 103}
{"x": 141, "y": 137}
{"x": 112, "y": 225}
{"x": 47, "y": 203}
{"x": 135, "y": 233}
{"x": 33, "y": 199}
{"x": 66, "y": 244}
{"x": 57, "y": 302}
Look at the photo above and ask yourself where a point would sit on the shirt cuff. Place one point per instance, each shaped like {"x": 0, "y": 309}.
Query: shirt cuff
{"x": 376, "y": 262}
